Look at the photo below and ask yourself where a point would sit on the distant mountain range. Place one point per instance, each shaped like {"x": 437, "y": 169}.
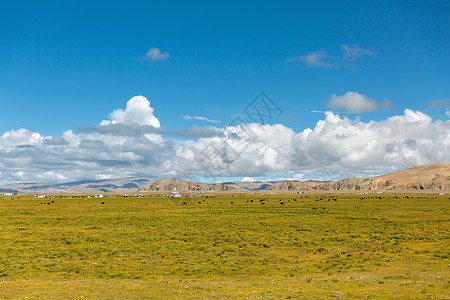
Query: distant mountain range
{"x": 426, "y": 177}
{"x": 86, "y": 186}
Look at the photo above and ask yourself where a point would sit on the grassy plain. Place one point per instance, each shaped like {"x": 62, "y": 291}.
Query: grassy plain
{"x": 227, "y": 246}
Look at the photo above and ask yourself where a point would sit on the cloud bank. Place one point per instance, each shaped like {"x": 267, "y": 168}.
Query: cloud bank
{"x": 132, "y": 142}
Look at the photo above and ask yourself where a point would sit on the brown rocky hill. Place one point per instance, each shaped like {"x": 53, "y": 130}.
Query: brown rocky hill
{"x": 426, "y": 177}
{"x": 184, "y": 186}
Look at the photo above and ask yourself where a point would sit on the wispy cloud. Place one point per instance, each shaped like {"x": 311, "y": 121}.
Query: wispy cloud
{"x": 156, "y": 54}
{"x": 187, "y": 117}
{"x": 314, "y": 60}
{"x": 321, "y": 59}
{"x": 352, "y": 52}
{"x": 290, "y": 118}
{"x": 439, "y": 103}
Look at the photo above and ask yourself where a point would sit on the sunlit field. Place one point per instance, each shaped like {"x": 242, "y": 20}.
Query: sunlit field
{"x": 226, "y": 245}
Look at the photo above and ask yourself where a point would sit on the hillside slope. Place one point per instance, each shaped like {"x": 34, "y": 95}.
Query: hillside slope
{"x": 426, "y": 177}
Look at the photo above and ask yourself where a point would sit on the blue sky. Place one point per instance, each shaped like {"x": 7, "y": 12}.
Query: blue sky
{"x": 67, "y": 65}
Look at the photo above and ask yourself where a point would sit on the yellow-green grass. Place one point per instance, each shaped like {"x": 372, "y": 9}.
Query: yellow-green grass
{"x": 381, "y": 246}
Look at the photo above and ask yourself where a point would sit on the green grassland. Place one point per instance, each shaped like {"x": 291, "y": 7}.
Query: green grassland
{"x": 229, "y": 245}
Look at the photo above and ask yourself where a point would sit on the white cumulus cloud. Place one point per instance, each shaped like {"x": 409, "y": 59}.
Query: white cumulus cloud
{"x": 156, "y": 54}
{"x": 354, "y": 102}
{"x": 138, "y": 111}
{"x": 248, "y": 179}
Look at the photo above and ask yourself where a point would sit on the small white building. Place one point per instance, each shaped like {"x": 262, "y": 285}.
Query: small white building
{"x": 174, "y": 194}
{"x": 138, "y": 195}
{"x": 39, "y": 196}
{"x": 7, "y": 194}
{"x": 98, "y": 196}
